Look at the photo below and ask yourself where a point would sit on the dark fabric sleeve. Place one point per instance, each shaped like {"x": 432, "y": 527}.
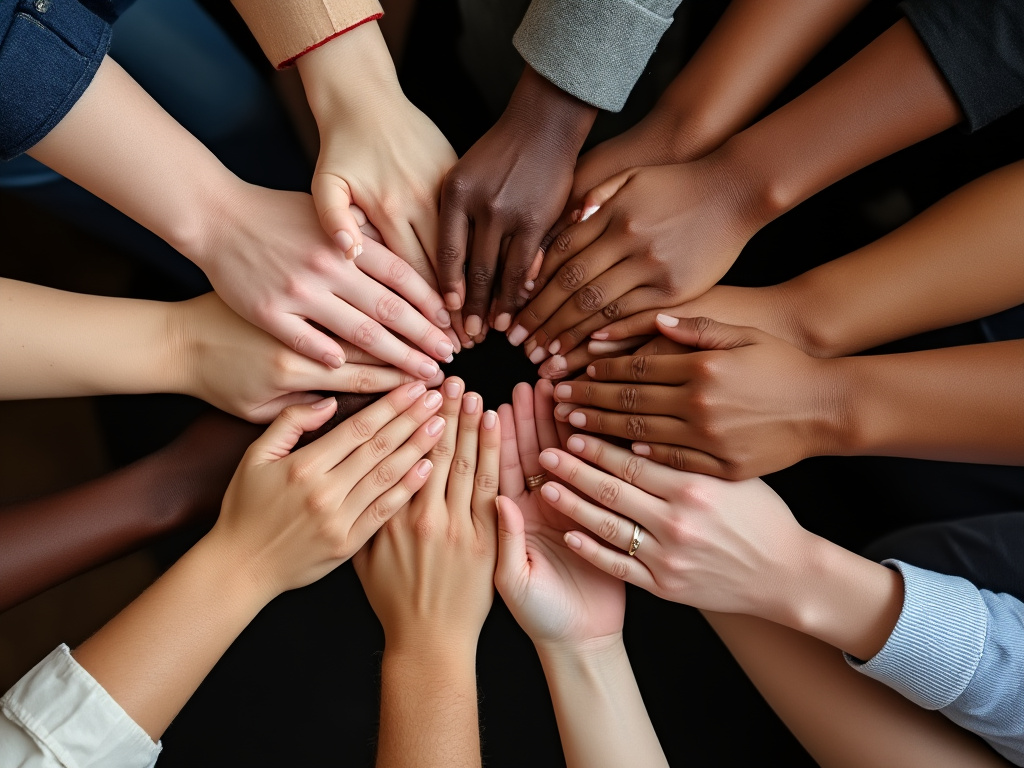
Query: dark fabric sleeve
{"x": 49, "y": 52}
{"x": 979, "y": 47}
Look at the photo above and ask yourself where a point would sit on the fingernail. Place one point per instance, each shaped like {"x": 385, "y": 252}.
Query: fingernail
{"x": 345, "y": 240}
{"x": 469, "y": 344}
{"x": 452, "y": 300}
{"x": 589, "y": 211}
{"x": 600, "y": 335}
{"x": 449, "y": 358}
{"x": 601, "y": 347}
{"x": 435, "y": 425}
{"x": 562, "y": 411}
{"x": 452, "y": 389}
{"x": 325, "y": 403}
{"x": 555, "y": 346}
{"x": 576, "y": 215}
{"x": 563, "y": 391}
{"x": 538, "y": 355}
{"x": 428, "y": 370}
{"x": 577, "y": 419}
{"x": 502, "y": 321}
{"x": 517, "y": 335}
{"x": 423, "y": 467}
{"x": 576, "y": 444}
{"x": 473, "y": 325}
{"x": 417, "y": 389}
{"x": 490, "y": 419}
{"x": 470, "y": 403}
{"x": 444, "y": 350}
{"x": 668, "y": 320}
{"x": 433, "y": 399}
{"x": 641, "y": 449}
{"x": 359, "y": 250}
{"x": 548, "y": 459}
{"x": 573, "y": 541}
{"x": 591, "y": 371}
{"x": 549, "y": 492}
{"x": 444, "y": 319}
{"x": 332, "y": 360}
{"x": 529, "y": 285}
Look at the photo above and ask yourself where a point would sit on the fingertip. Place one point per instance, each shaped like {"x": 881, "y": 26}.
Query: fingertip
{"x": 667, "y": 320}
{"x": 573, "y": 541}
{"x": 424, "y": 468}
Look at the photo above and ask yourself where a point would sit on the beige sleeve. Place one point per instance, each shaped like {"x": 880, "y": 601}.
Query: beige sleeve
{"x": 286, "y": 29}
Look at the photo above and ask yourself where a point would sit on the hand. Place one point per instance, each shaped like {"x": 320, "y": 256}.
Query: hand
{"x": 242, "y": 370}
{"x": 289, "y": 518}
{"x": 659, "y": 236}
{"x": 709, "y": 543}
{"x": 560, "y": 366}
{"x": 745, "y": 404}
{"x": 377, "y": 150}
{"x": 270, "y": 262}
{"x": 499, "y": 200}
{"x": 557, "y": 598}
{"x": 429, "y": 572}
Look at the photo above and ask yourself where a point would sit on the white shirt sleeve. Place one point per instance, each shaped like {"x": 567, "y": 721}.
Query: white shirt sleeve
{"x": 58, "y": 715}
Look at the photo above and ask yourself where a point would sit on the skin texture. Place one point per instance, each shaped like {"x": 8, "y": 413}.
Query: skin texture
{"x": 262, "y": 249}
{"x": 666, "y": 234}
{"x": 288, "y": 518}
{"x": 61, "y": 344}
{"x": 572, "y": 611}
{"x": 49, "y": 540}
{"x": 500, "y": 199}
{"x": 429, "y": 576}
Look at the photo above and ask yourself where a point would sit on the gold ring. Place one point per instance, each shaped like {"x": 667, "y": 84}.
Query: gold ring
{"x": 634, "y": 545}
{"x": 533, "y": 482}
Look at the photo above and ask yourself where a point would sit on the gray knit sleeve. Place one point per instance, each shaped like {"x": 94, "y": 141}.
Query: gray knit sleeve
{"x": 594, "y": 49}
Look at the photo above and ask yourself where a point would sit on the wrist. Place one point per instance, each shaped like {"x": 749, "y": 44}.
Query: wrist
{"x": 594, "y": 652}
{"x": 548, "y": 116}
{"x": 686, "y": 133}
{"x": 762, "y": 194}
{"x": 228, "y": 572}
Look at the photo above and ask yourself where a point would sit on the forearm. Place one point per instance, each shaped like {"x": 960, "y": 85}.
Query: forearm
{"x": 153, "y": 655}
{"x": 428, "y": 707}
{"x": 118, "y": 143}
{"x": 953, "y": 404}
{"x": 553, "y": 116}
{"x": 601, "y": 715}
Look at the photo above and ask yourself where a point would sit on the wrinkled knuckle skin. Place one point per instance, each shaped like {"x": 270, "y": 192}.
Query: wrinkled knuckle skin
{"x": 487, "y": 483}
{"x": 380, "y": 512}
{"x": 613, "y": 311}
{"x": 620, "y": 570}
{"x": 571, "y": 276}
{"x": 361, "y": 427}
{"x": 639, "y": 366}
{"x": 367, "y": 334}
{"x": 632, "y": 469}
{"x": 389, "y": 307}
{"x": 636, "y": 428}
{"x": 609, "y": 529}
{"x": 463, "y": 466}
{"x": 449, "y": 256}
{"x": 365, "y": 381}
{"x": 563, "y": 242}
{"x": 629, "y": 398}
{"x": 480, "y": 278}
{"x": 318, "y": 502}
{"x": 590, "y": 298}
{"x": 677, "y": 459}
{"x": 380, "y": 445}
{"x": 384, "y": 476}
{"x": 608, "y": 492}
{"x": 299, "y": 472}
{"x": 398, "y": 272}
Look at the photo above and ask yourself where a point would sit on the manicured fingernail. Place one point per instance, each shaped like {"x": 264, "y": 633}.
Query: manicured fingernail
{"x": 529, "y": 285}
{"x": 428, "y": 370}
{"x": 449, "y": 359}
{"x": 332, "y": 360}
{"x": 502, "y": 321}
{"x": 563, "y": 391}
{"x": 668, "y": 320}
{"x": 573, "y": 541}
{"x": 417, "y": 389}
{"x": 470, "y": 403}
{"x": 517, "y": 335}
{"x": 576, "y": 215}
{"x": 444, "y": 319}
{"x": 469, "y": 344}
{"x": 575, "y": 444}
{"x": 548, "y": 459}
{"x": 562, "y": 411}
{"x": 549, "y": 492}
{"x": 435, "y": 425}
{"x": 473, "y": 325}
{"x": 490, "y": 419}
{"x": 325, "y": 403}
{"x": 356, "y": 252}
{"x": 600, "y": 335}
{"x": 577, "y": 419}
{"x": 452, "y": 300}
{"x": 538, "y": 355}
{"x": 433, "y": 399}
{"x": 345, "y": 240}
{"x": 452, "y": 389}
{"x": 603, "y": 347}
{"x": 641, "y": 449}
{"x": 444, "y": 349}
{"x": 589, "y": 211}
{"x": 423, "y": 467}
{"x": 591, "y": 371}
{"x": 554, "y": 347}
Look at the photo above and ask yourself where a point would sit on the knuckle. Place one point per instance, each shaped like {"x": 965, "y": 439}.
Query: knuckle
{"x": 457, "y": 187}
{"x": 609, "y": 529}
{"x": 608, "y": 492}
{"x": 590, "y": 298}
{"x": 639, "y": 367}
{"x": 576, "y": 334}
{"x": 636, "y": 428}
{"x": 487, "y": 483}
{"x": 299, "y": 472}
{"x": 613, "y": 311}
{"x": 364, "y": 380}
{"x": 424, "y": 527}
{"x": 563, "y": 242}
{"x": 631, "y": 225}
{"x": 380, "y": 445}
{"x": 383, "y": 476}
{"x": 620, "y": 569}
{"x": 629, "y": 398}
{"x": 318, "y": 501}
{"x": 677, "y": 459}
{"x": 389, "y": 307}
{"x": 449, "y": 255}
{"x": 398, "y": 271}
{"x": 380, "y": 512}
{"x": 391, "y": 204}
{"x": 572, "y": 275}
{"x": 481, "y": 277}
{"x": 360, "y": 426}
{"x": 632, "y": 469}
{"x": 295, "y": 288}
{"x": 463, "y": 466}
{"x": 367, "y": 334}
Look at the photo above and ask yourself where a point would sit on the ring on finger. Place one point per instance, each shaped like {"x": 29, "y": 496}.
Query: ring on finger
{"x": 634, "y": 545}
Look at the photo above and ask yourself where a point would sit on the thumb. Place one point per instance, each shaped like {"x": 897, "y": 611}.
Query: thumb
{"x": 600, "y": 194}
{"x": 285, "y": 431}
{"x": 704, "y": 333}
{"x": 512, "y": 564}
{"x": 332, "y": 197}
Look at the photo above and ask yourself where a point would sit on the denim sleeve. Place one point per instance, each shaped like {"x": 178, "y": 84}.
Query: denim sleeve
{"x": 979, "y": 48}
{"x": 594, "y": 49}
{"x": 49, "y": 52}
{"x": 959, "y": 650}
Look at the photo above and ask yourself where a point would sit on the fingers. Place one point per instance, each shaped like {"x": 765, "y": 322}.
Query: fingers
{"x": 387, "y": 268}
{"x": 305, "y": 339}
{"x": 332, "y": 197}
{"x": 578, "y": 332}
{"x": 620, "y": 398}
{"x": 640, "y": 324}
{"x": 655, "y": 479}
{"x": 560, "y": 366}
{"x": 617, "y": 564}
{"x": 282, "y": 435}
{"x": 642, "y": 367}
{"x": 480, "y": 274}
{"x": 390, "y": 501}
{"x": 402, "y": 240}
{"x": 462, "y": 474}
{"x": 512, "y": 567}
{"x": 544, "y": 416}
{"x": 485, "y": 485}
{"x": 686, "y": 459}
{"x": 510, "y": 475}
{"x": 451, "y": 244}
{"x": 526, "y": 429}
{"x": 615, "y": 529}
{"x": 442, "y": 453}
{"x": 638, "y": 427}
{"x": 519, "y": 262}
{"x": 705, "y": 333}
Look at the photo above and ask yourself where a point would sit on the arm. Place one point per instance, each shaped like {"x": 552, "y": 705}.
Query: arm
{"x": 572, "y": 612}
{"x": 61, "y": 344}
{"x": 429, "y": 577}
{"x": 262, "y": 249}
